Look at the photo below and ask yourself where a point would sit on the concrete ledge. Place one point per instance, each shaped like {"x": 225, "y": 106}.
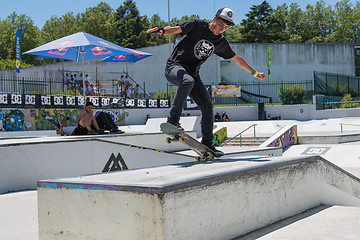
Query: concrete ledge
{"x": 26, "y": 134}
{"x": 328, "y": 139}
{"x": 213, "y": 200}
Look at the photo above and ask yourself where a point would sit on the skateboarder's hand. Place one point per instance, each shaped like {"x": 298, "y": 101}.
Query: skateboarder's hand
{"x": 261, "y": 76}
{"x": 156, "y": 31}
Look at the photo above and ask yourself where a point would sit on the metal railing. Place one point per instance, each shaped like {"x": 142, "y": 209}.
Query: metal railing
{"x": 239, "y": 134}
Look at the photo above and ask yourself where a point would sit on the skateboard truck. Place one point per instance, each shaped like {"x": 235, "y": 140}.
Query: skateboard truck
{"x": 176, "y": 138}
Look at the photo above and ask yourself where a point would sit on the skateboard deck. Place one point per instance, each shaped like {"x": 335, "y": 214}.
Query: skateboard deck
{"x": 205, "y": 154}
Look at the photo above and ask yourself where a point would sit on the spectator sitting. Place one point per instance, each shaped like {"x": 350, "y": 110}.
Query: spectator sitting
{"x": 224, "y": 117}
{"x": 121, "y": 80}
{"x": 103, "y": 120}
{"x": 78, "y": 89}
{"x": 67, "y": 81}
{"x": 136, "y": 91}
{"x": 81, "y": 79}
{"x": 86, "y": 121}
{"x": 90, "y": 89}
{"x": 72, "y": 80}
{"x": 126, "y": 80}
{"x": 217, "y": 117}
{"x": 95, "y": 90}
{"x": 76, "y": 79}
{"x": 127, "y": 92}
{"x": 87, "y": 80}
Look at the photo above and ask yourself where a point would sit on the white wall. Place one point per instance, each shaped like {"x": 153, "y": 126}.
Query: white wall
{"x": 250, "y": 113}
{"x": 290, "y": 62}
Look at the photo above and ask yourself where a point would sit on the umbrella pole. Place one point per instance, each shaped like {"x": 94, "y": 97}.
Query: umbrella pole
{"x": 83, "y": 78}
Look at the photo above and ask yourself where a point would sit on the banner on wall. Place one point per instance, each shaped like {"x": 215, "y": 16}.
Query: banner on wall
{"x": 269, "y": 61}
{"x": 226, "y": 91}
{"x": 10, "y": 100}
{"x": 17, "y": 51}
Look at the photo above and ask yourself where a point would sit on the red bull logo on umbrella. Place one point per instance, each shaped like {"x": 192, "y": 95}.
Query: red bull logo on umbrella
{"x": 58, "y": 52}
{"x": 96, "y": 51}
{"x": 119, "y": 58}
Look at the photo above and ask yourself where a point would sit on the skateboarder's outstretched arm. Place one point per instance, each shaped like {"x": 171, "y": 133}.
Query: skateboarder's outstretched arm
{"x": 244, "y": 65}
{"x": 167, "y": 31}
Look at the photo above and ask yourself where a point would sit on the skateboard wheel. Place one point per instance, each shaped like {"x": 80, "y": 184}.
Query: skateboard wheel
{"x": 198, "y": 159}
{"x": 211, "y": 158}
{"x": 168, "y": 140}
{"x": 181, "y": 139}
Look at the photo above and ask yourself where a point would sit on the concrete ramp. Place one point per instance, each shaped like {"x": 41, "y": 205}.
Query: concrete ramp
{"x": 212, "y": 200}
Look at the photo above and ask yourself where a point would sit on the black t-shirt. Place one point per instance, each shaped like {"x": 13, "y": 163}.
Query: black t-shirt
{"x": 197, "y": 45}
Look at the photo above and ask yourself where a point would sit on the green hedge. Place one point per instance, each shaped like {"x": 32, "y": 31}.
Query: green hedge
{"x": 292, "y": 94}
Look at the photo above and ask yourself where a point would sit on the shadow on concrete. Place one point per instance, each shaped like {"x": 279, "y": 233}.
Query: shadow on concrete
{"x": 228, "y": 160}
{"x": 281, "y": 224}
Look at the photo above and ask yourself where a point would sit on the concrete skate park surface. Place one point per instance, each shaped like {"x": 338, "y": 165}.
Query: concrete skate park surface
{"x": 345, "y": 155}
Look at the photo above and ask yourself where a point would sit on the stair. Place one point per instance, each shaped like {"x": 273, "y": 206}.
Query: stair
{"x": 246, "y": 141}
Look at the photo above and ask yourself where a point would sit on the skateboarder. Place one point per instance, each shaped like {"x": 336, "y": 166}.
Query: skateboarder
{"x": 201, "y": 40}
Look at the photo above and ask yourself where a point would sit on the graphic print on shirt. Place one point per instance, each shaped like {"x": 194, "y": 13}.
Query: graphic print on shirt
{"x": 203, "y": 49}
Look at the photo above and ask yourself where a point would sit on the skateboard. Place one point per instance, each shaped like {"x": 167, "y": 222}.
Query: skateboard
{"x": 205, "y": 154}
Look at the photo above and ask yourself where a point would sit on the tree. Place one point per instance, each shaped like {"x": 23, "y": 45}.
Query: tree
{"x": 9, "y": 64}
{"x": 260, "y": 25}
{"x": 347, "y": 25}
{"x": 99, "y": 21}
{"x": 234, "y": 35}
{"x": 318, "y": 21}
{"x": 294, "y": 22}
{"x": 58, "y": 27}
{"x": 280, "y": 14}
{"x": 130, "y": 26}
{"x": 29, "y": 36}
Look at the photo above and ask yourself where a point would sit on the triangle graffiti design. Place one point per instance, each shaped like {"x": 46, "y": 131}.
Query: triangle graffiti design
{"x": 115, "y": 164}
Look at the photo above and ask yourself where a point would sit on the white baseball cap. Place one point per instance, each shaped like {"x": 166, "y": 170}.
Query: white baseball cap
{"x": 226, "y": 14}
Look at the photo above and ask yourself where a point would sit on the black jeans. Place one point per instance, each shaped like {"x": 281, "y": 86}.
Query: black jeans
{"x": 105, "y": 121}
{"x": 195, "y": 89}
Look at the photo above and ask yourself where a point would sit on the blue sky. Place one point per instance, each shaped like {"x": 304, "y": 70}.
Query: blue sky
{"x": 42, "y": 10}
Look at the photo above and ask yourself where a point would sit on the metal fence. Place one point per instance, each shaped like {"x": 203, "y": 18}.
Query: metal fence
{"x": 42, "y": 86}
{"x": 336, "y": 84}
{"x": 253, "y": 92}
{"x": 264, "y": 92}
{"x": 57, "y": 87}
